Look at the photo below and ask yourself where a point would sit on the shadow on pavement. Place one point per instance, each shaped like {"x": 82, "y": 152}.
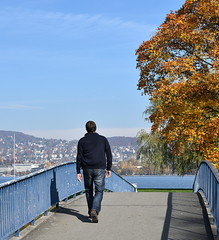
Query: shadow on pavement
{"x": 186, "y": 218}
{"x": 73, "y": 212}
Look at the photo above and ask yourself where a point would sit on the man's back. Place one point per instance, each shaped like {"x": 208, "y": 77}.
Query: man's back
{"x": 94, "y": 152}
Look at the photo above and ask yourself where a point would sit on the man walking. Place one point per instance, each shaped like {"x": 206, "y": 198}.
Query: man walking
{"x": 95, "y": 158}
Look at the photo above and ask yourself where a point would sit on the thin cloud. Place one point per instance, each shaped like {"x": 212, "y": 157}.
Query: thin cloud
{"x": 25, "y": 21}
{"x": 19, "y": 107}
{"x": 87, "y": 20}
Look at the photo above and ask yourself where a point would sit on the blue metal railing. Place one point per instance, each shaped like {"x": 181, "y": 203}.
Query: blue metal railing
{"x": 207, "y": 181}
{"x": 24, "y": 199}
{"x": 116, "y": 183}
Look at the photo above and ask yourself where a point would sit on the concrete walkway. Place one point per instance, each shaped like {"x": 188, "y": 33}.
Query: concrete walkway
{"x": 127, "y": 216}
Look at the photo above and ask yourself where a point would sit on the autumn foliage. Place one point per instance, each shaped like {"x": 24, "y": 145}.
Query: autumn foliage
{"x": 179, "y": 69}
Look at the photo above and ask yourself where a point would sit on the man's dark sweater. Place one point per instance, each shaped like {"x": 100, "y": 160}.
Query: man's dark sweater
{"x": 94, "y": 152}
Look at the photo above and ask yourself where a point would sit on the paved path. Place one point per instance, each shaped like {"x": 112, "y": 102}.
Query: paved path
{"x": 128, "y": 216}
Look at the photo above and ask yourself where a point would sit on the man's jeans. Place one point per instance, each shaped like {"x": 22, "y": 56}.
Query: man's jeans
{"x": 94, "y": 177}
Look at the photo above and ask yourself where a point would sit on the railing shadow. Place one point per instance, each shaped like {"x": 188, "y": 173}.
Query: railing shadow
{"x": 166, "y": 226}
{"x": 186, "y": 218}
{"x": 54, "y": 195}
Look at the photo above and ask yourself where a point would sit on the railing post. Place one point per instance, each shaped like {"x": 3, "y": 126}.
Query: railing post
{"x": 17, "y": 233}
{"x": 46, "y": 213}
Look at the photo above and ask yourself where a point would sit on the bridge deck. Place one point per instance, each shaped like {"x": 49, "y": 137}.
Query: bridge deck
{"x": 128, "y": 216}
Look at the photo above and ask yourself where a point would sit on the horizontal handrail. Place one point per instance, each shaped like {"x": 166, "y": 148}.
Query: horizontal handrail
{"x": 24, "y": 199}
{"x": 207, "y": 182}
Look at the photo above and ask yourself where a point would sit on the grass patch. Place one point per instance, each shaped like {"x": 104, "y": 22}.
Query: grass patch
{"x": 164, "y": 190}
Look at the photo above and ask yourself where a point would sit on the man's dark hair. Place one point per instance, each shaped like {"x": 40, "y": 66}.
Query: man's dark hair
{"x": 91, "y": 126}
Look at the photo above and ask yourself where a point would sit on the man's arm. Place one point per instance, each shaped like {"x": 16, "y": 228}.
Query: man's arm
{"x": 79, "y": 160}
{"x": 108, "y": 156}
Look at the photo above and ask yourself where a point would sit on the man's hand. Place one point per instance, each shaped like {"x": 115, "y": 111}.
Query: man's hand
{"x": 79, "y": 177}
{"x": 108, "y": 173}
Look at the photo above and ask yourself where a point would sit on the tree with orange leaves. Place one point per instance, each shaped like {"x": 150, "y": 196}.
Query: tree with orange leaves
{"x": 179, "y": 70}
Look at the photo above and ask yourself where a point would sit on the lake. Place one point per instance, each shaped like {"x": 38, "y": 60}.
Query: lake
{"x": 162, "y": 182}
{"x": 151, "y": 181}
{"x": 5, "y": 179}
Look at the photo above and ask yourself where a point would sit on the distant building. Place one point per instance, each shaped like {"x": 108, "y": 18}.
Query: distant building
{"x": 19, "y": 168}
{"x": 28, "y": 167}
{"x": 5, "y": 170}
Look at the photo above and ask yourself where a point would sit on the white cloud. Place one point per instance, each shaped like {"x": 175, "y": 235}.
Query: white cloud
{"x": 77, "y": 133}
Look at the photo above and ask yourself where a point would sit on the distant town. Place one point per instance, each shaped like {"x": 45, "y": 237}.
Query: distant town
{"x": 24, "y": 154}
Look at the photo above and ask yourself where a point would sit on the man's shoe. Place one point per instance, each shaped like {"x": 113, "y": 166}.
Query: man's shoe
{"x": 89, "y": 215}
{"x": 94, "y": 216}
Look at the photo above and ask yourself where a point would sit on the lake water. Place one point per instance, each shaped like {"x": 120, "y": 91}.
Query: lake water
{"x": 162, "y": 182}
{"x": 151, "y": 181}
{"x": 5, "y": 179}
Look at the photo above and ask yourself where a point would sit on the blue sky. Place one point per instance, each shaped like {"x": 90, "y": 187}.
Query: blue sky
{"x": 64, "y": 62}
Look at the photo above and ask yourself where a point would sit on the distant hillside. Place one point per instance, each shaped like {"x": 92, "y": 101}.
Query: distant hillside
{"x": 20, "y": 135}
{"x": 7, "y": 138}
{"x": 122, "y": 141}
{"x": 30, "y": 149}
{"x": 40, "y": 150}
